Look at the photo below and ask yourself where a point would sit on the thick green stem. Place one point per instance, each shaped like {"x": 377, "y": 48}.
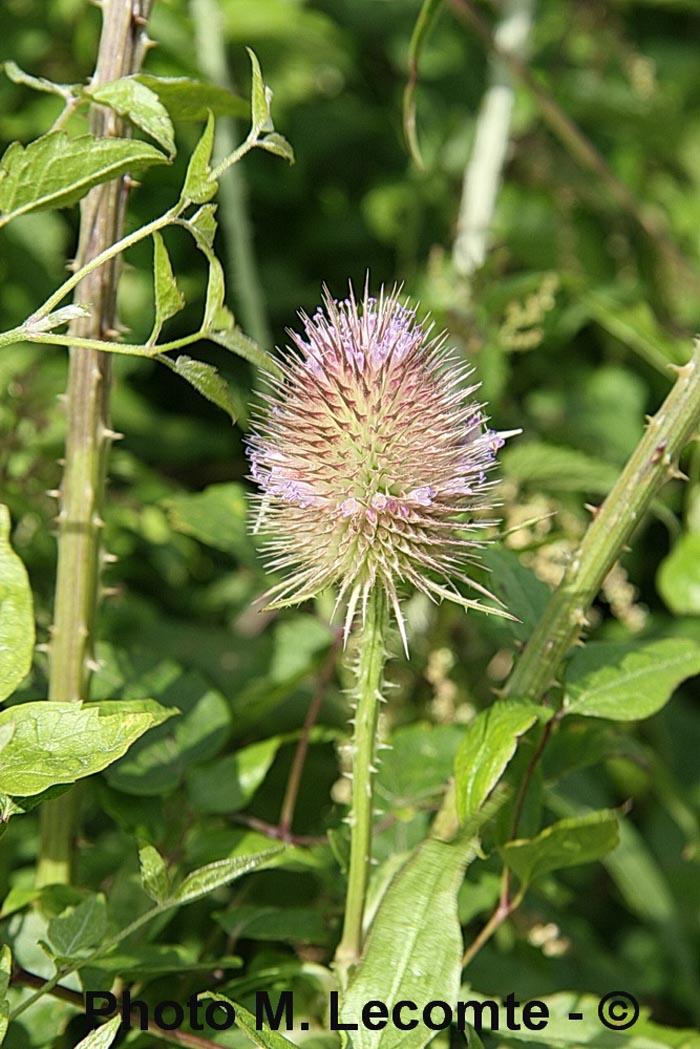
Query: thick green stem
{"x": 88, "y": 432}
{"x": 653, "y": 462}
{"x": 369, "y": 679}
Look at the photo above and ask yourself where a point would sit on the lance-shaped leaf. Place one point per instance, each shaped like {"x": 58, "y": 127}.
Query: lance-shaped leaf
{"x": 102, "y": 1037}
{"x": 489, "y": 743}
{"x": 198, "y": 187}
{"x": 213, "y": 875}
{"x": 205, "y": 379}
{"x": 189, "y": 100}
{"x": 5, "y": 973}
{"x": 39, "y": 83}
{"x": 154, "y": 874}
{"x": 169, "y": 300}
{"x": 77, "y": 930}
{"x": 63, "y": 742}
{"x": 260, "y": 98}
{"x": 16, "y": 614}
{"x": 414, "y": 947}
{"x": 55, "y": 171}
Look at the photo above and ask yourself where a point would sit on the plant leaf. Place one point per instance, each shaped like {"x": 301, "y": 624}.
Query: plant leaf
{"x": 132, "y": 99}
{"x": 154, "y": 874}
{"x": 678, "y": 578}
{"x": 205, "y": 379}
{"x": 567, "y": 843}
{"x": 39, "y": 83}
{"x": 205, "y": 879}
{"x": 489, "y": 743}
{"x": 192, "y": 100}
{"x": 169, "y": 300}
{"x": 426, "y": 17}
{"x": 78, "y": 930}
{"x": 5, "y": 974}
{"x": 414, "y": 947}
{"x": 261, "y": 1036}
{"x": 198, "y": 187}
{"x": 237, "y": 777}
{"x": 260, "y": 97}
{"x": 626, "y": 682}
{"x": 521, "y": 592}
{"x": 277, "y": 144}
{"x": 234, "y": 340}
{"x": 55, "y": 171}
{"x": 16, "y": 614}
{"x": 102, "y": 1037}
{"x": 62, "y": 742}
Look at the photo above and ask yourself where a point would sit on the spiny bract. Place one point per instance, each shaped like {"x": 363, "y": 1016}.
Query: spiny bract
{"x": 370, "y": 455}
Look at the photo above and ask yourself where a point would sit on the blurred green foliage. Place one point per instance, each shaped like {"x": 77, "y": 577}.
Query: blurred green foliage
{"x": 570, "y": 326}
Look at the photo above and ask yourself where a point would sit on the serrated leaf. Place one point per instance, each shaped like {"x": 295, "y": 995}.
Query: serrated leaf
{"x": 567, "y": 843}
{"x": 78, "y": 930}
{"x": 277, "y": 144}
{"x": 678, "y": 578}
{"x": 16, "y": 614}
{"x": 5, "y": 974}
{"x": 216, "y": 315}
{"x": 154, "y": 874}
{"x": 102, "y": 1037}
{"x": 489, "y": 743}
{"x": 132, "y": 99}
{"x": 205, "y": 379}
{"x": 39, "y": 83}
{"x": 198, "y": 187}
{"x": 259, "y": 97}
{"x": 204, "y": 880}
{"x": 234, "y": 340}
{"x": 626, "y": 682}
{"x": 414, "y": 947}
{"x": 63, "y": 742}
{"x": 189, "y": 100}
{"x": 216, "y": 516}
{"x": 169, "y": 300}
{"x": 228, "y": 785}
{"x": 56, "y": 171}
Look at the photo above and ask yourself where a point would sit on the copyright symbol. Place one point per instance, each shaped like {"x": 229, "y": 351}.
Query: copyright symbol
{"x": 618, "y": 1010}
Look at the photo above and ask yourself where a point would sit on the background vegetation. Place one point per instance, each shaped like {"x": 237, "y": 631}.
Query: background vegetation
{"x": 589, "y": 290}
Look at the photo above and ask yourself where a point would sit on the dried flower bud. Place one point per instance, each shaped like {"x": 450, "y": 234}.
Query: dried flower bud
{"x": 371, "y": 457}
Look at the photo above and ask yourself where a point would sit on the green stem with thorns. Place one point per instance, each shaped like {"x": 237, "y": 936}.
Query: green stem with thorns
{"x": 372, "y": 655}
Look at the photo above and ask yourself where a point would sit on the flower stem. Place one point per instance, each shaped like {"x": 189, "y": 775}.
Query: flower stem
{"x": 369, "y": 679}
{"x": 653, "y": 462}
{"x": 88, "y": 433}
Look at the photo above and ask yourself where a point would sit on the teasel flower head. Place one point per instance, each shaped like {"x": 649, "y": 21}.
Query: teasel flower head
{"x": 372, "y": 457}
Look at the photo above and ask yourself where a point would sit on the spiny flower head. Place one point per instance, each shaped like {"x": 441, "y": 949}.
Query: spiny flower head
{"x": 371, "y": 457}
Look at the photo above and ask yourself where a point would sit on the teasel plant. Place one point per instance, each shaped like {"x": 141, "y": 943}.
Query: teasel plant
{"x": 373, "y": 462}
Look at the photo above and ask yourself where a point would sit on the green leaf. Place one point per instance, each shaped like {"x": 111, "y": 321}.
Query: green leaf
{"x": 290, "y": 924}
{"x": 192, "y": 100}
{"x": 78, "y": 930}
{"x": 16, "y": 614}
{"x": 203, "y": 223}
{"x": 234, "y": 340}
{"x": 260, "y": 97}
{"x": 157, "y": 763}
{"x": 228, "y": 784}
{"x": 263, "y": 1036}
{"x": 489, "y": 743}
{"x": 557, "y": 468}
{"x": 5, "y": 974}
{"x": 40, "y": 83}
{"x": 205, "y": 379}
{"x": 216, "y": 516}
{"x": 277, "y": 144}
{"x": 132, "y": 99}
{"x": 426, "y": 18}
{"x": 62, "y": 742}
{"x": 521, "y": 592}
{"x": 154, "y": 874}
{"x": 416, "y": 766}
{"x": 168, "y": 297}
{"x": 626, "y": 682}
{"x": 102, "y": 1037}
{"x": 678, "y": 578}
{"x": 567, "y": 843}
{"x": 204, "y": 880}
{"x": 56, "y": 171}
{"x": 414, "y": 947}
{"x": 198, "y": 187}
